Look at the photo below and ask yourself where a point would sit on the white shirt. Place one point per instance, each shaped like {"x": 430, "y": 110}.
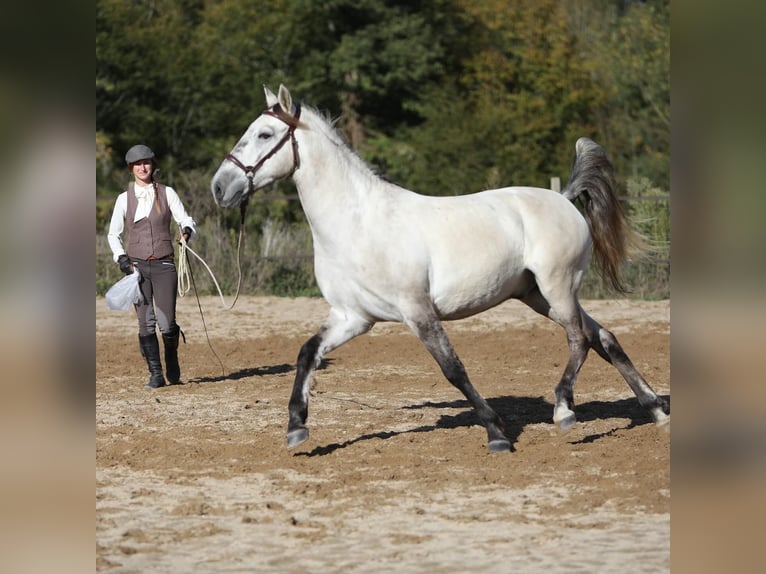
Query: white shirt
{"x": 145, "y": 197}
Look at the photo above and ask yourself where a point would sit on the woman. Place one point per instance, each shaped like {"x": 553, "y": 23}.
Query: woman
{"x": 145, "y": 210}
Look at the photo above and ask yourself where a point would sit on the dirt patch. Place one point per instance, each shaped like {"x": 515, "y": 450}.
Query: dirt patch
{"x": 396, "y": 474}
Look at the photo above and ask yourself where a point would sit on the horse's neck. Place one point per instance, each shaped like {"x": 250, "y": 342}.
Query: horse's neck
{"x": 331, "y": 181}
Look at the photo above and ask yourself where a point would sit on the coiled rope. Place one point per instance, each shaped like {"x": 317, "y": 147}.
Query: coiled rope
{"x": 186, "y": 279}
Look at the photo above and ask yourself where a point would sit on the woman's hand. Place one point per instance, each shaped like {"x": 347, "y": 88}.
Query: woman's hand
{"x": 125, "y": 265}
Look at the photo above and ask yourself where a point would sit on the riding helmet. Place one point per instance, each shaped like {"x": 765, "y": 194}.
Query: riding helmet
{"x": 138, "y": 153}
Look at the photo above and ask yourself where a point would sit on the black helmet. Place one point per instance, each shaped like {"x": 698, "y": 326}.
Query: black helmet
{"x": 137, "y": 153}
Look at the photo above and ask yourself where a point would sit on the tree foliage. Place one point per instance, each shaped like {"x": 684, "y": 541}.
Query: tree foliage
{"x": 442, "y": 96}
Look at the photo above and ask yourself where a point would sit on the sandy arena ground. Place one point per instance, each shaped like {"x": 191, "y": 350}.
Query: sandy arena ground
{"x": 395, "y": 476}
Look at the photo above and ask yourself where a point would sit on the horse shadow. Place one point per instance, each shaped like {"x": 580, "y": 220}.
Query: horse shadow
{"x": 253, "y": 372}
{"x": 516, "y": 412}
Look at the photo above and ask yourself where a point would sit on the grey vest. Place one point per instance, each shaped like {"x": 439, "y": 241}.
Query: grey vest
{"x": 150, "y": 236}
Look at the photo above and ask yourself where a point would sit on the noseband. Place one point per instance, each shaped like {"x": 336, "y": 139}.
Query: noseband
{"x": 292, "y": 123}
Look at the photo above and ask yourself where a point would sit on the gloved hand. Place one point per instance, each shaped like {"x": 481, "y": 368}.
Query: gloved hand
{"x": 187, "y": 233}
{"x": 124, "y": 262}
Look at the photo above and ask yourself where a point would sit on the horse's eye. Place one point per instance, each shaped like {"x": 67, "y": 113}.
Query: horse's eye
{"x": 264, "y": 135}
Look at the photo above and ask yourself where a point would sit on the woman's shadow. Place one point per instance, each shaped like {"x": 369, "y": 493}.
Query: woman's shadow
{"x": 244, "y": 374}
{"x": 282, "y": 369}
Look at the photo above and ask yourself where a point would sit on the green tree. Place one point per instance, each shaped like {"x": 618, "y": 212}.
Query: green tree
{"x": 512, "y": 112}
{"x": 627, "y": 47}
{"x": 145, "y": 57}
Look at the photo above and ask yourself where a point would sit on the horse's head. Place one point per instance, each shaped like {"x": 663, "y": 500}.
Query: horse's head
{"x": 265, "y": 153}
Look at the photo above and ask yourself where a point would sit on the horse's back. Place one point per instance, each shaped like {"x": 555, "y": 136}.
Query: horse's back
{"x": 516, "y": 224}
{"x": 553, "y": 227}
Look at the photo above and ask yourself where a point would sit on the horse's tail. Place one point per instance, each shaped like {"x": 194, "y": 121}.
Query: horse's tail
{"x": 592, "y": 181}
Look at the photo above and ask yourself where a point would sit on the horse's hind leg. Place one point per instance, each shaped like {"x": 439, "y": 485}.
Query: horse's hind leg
{"x": 337, "y": 329}
{"x": 430, "y": 331}
{"x": 566, "y": 313}
{"x": 583, "y": 333}
{"x": 606, "y": 345}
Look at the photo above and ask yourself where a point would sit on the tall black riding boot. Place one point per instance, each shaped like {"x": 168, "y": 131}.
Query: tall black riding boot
{"x": 172, "y": 368}
{"x": 150, "y": 349}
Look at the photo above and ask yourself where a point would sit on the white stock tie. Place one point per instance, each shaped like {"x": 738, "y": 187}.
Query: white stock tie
{"x": 145, "y": 197}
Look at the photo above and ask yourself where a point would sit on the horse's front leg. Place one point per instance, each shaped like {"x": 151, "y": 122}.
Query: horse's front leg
{"x": 308, "y": 359}
{"x": 336, "y": 330}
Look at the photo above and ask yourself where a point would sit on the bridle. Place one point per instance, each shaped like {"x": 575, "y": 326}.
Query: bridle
{"x": 292, "y": 123}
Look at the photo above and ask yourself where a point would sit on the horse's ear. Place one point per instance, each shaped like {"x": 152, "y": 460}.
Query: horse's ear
{"x": 271, "y": 98}
{"x": 285, "y": 99}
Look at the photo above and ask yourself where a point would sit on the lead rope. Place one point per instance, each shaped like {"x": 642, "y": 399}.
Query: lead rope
{"x": 186, "y": 277}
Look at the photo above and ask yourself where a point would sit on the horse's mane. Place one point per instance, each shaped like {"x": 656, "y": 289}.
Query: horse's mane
{"x": 326, "y": 124}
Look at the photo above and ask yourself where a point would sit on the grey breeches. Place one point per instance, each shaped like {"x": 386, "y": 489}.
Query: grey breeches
{"x": 159, "y": 284}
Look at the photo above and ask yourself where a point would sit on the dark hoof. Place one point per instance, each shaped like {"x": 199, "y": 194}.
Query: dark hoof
{"x": 499, "y": 445}
{"x": 296, "y": 437}
{"x": 154, "y": 384}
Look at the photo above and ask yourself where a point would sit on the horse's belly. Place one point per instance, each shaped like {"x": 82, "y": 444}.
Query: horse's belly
{"x": 367, "y": 299}
{"x": 459, "y": 299}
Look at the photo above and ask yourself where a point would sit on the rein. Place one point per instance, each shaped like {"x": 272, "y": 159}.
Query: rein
{"x": 292, "y": 123}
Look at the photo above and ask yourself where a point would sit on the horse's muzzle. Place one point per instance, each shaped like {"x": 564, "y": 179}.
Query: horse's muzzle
{"x": 218, "y": 192}
{"x": 226, "y": 191}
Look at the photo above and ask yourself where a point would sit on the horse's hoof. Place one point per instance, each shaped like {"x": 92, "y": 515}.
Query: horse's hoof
{"x": 499, "y": 445}
{"x": 660, "y": 417}
{"x": 566, "y": 422}
{"x": 663, "y": 424}
{"x": 296, "y": 437}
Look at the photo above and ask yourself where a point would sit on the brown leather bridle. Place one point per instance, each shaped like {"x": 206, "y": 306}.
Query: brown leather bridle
{"x": 292, "y": 123}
